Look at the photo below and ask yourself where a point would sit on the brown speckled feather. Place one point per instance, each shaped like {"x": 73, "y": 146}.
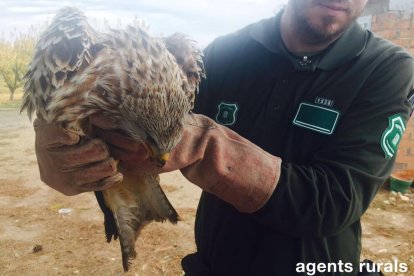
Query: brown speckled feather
{"x": 146, "y": 84}
{"x": 65, "y": 48}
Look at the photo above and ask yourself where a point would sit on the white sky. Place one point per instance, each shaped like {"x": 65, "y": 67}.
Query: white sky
{"x": 203, "y": 20}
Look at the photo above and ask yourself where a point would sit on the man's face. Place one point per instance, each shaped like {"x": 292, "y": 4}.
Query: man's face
{"x": 322, "y": 20}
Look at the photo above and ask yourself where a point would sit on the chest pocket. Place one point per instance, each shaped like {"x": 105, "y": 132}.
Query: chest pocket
{"x": 316, "y": 118}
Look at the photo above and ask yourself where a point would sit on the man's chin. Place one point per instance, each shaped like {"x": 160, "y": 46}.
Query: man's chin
{"x": 327, "y": 32}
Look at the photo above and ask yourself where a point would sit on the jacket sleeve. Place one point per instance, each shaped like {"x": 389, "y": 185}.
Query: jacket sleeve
{"x": 334, "y": 190}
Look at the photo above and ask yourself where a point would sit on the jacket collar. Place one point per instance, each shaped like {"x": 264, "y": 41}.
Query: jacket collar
{"x": 350, "y": 45}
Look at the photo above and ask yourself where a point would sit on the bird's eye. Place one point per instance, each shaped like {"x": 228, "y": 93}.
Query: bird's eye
{"x": 151, "y": 141}
{"x": 192, "y": 74}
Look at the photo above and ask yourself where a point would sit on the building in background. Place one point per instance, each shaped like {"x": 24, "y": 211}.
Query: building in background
{"x": 394, "y": 20}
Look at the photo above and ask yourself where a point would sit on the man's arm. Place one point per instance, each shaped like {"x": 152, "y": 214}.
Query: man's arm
{"x": 213, "y": 157}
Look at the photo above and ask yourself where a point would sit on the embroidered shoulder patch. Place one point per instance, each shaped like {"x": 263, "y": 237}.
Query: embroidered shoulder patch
{"x": 392, "y": 135}
{"x": 226, "y": 114}
{"x": 411, "y": 101}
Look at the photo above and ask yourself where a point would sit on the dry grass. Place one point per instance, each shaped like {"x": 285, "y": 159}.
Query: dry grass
{"x": 388, "y": 230}
{"x": 74, "y": 244}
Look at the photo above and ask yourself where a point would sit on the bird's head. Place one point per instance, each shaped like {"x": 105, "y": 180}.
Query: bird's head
{"x": 156, "y": 120}
{"x": 158, "y": 154}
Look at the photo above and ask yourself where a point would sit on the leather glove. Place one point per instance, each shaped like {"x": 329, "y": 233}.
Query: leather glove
{"x": 213, "y": 157}
{"x": 70, "y": 165}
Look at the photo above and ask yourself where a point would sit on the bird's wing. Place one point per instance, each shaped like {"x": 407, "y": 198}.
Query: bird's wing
{"x": 189, "y": 57}
{"x": 66, "y": 47}
{"x": 130, "y": 66}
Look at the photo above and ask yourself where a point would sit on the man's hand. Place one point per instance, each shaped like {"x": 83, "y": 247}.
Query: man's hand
{"x": 129, "y": 152}
{"x": 71, "y": 166}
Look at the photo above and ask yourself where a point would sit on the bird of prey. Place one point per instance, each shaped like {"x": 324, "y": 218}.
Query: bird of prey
{"x": 146, "y": 84}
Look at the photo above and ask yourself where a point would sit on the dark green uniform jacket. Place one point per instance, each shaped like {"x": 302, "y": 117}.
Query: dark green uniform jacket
{"x": 334, "y": 119}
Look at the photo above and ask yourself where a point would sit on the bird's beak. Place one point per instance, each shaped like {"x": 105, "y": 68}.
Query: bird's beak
{"x": 159, "y": 159}
{"x": 162, "y": 159}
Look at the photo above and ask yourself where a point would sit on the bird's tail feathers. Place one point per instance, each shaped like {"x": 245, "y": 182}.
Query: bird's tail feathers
{"x": 160, "y": 206}
{"x": 134, "y": 202}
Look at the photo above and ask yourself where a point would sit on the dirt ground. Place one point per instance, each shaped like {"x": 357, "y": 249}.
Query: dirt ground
{"x": 35, "y": 239}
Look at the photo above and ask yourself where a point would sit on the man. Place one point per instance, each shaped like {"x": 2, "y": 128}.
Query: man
{"x": 323, "y": 104}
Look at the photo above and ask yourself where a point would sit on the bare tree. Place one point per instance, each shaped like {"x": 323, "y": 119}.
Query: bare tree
{"x": 15, "y": 56}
